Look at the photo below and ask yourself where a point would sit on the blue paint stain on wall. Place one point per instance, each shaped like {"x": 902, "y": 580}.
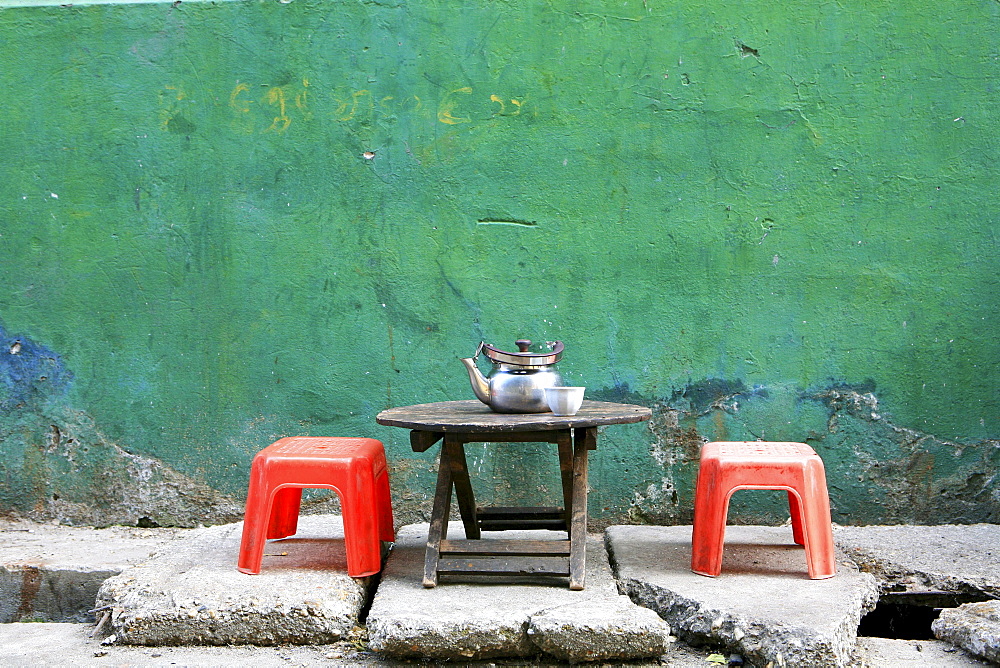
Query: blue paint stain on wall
{"x": 29, "y": 372}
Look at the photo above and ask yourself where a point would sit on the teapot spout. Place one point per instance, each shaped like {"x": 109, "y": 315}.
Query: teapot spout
{"x": 480, "y": 385}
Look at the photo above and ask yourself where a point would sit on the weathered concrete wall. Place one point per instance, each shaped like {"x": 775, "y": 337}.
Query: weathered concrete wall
{"x": 225, "y": 223}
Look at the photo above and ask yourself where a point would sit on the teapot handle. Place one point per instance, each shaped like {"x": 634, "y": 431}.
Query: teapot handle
{"x": 475, "y": 358}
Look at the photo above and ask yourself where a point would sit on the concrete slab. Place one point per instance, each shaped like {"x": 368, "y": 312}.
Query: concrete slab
{"x": 70, "y": 645}
{"x": 974, "y": 627}
{"x": 506, "y": 617}
{"x": 958, "y": 559}
{"x": 763, "y": 606}
{"x": 70, "y": 550}
{"x": 52, "y": 573}
{"x": 192, "y": 594}
{"x": 43, "y": 644}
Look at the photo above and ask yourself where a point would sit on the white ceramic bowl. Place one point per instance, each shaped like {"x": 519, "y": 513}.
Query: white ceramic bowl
{"x": 564, "y": 400}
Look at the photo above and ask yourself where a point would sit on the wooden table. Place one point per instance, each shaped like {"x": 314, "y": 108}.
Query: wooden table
{"x": 461, "y": 422}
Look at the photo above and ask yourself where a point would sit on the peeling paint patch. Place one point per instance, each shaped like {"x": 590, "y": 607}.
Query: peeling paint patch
{"x": 60, "y": 467}
{"x": 28, "y": 372}
{"x": 714, "y": 393}
{"x": 887, "y": 474}
{"x": 55, "y": 464}
{"x": 877, "y": 471}
{"x": 746, "y": 51}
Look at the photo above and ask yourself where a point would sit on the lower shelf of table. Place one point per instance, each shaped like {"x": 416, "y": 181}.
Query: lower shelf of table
{"x": 499, "y": 518}
{"x": 504, "y": 557}
{"x": 509, "y": 566}
{"x": 502, "y": 547}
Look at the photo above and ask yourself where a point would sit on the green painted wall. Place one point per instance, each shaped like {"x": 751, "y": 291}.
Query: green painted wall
{"x": 761, "y": 219}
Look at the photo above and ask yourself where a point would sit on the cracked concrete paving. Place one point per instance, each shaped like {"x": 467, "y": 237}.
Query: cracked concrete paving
{"x": 51, "y": 572}
{"x": 486, "y": 617}
{"x": 45, "y": 645}
{"x": 191, "y": 593}
{"x": 763, "y": 605}
{"x": 958, "y": 559}
{"x": 972, "y": 626}
{"x": 27, "y": 545}
{"x": 940, "y": 566}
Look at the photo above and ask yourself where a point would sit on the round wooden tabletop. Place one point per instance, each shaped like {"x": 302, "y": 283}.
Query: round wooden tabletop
{"x": 474, "y": 416}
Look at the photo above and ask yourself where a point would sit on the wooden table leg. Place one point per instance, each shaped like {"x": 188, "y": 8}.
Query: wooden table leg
{"x": 582, "y": 439}
{"x": 439, "y": 518}
{"x": 463, "y": 486}
{"x": 565, "y": 445}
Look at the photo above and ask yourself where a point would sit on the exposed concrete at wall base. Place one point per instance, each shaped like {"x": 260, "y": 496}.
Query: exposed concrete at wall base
{"x": 60, "y": 467}
{"x": 57, "y": 465}
{"x": 877, "y": 471}
{"x": 223, "y": 223}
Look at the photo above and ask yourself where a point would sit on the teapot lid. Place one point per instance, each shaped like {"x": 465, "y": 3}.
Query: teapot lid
{"x": 523, "y": 357}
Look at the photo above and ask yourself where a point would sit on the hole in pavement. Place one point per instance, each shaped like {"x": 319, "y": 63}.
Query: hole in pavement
{"x": 900, "y": 621}
{"x": 908, "y": 616}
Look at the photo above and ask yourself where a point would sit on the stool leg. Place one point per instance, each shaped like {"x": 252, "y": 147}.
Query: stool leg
{"x": 383, "y": 504}
{"x": 817, "y": 523}
{"x": 361, "y": 524}
{"x": 711, "y": 504}
{"x": 284, "y": 512}
{"x": 463, "y": 490}
{"x": 795, "y": 510}
{"x": 255, "y": 521}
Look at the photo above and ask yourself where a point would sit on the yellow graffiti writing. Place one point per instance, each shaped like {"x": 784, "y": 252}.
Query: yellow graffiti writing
{"x": 448, "y": 104}
{"x": 353, "y": 103}
{"x": 276, "y": 96}
{"x": 300, "y": 99}
{"x": 236, "y": 102}
{"x": 503, "y": 107}
{"x": 498, "y": 100}
{"x": 277, "y": 108}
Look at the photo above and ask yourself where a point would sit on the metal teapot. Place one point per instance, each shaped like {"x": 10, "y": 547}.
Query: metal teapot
{"x": 517, "y": 382}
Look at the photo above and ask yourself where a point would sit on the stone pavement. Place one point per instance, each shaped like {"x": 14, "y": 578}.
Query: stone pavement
{"x": 508, "y": 617}
{"x": 974, "y": 626}
{"x": 190, "y": 593}
{"x": 53, "y": 572}
{"x": 964, "y": 559}
{"x": 170, "y": 592}
{"x": 763, "y": 604}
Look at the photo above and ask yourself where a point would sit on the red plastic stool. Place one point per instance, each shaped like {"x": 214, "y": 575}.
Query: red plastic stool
{"x": 352, "y": 467}
{"x": 794, "y": 467}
